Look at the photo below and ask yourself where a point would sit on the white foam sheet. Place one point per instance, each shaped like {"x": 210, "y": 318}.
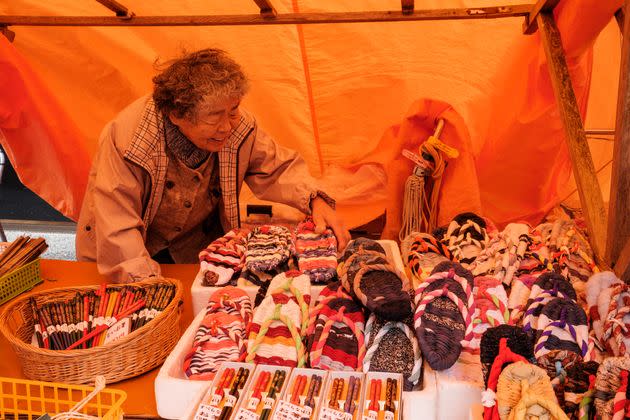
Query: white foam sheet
{"x": 422, "y": 404}
{"x": 458, "y": 389}
{"x": 200, "y": 294}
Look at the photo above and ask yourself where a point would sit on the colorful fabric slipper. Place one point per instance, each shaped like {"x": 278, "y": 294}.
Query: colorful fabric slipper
{"x": 221, "y": 334}
{"x": 280, "y": 322}
{"x": 607, "y": 384}
{"x": 562, "y": 325}
{"x": 519, "y": 295}
{"x": 369, "y": 276}
{"x": 616, "y": 329}
{"x": 517, "y": 341}
{"x": 335, "y": 331}
{"x": 535, "y": 307}
{"x": 357, "y": 244}
{"x": 421, "y": 253}
{"x": 504, "y": 357}
{"x": 578, "y": 380}
{"x": 392, "y": 347}
{"x": 490, "y": 308}
{"x": 316, "y": 252}
{"x": 594, "y": 287}
{"x": 552, "y": 281}
{"x": 525, "y": 392}
{"x": 223, "y": 257}
{"x": 268, "y": 247}
{"x": 466, "y": 237}
{"x": 443, "y": 317}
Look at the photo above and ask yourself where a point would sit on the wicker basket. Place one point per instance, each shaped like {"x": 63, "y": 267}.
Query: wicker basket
{"x": 19, "y": 281}
{"x": 130, "y": 356}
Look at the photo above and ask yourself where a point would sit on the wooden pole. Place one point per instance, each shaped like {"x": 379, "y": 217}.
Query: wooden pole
{"x": 407, "y": 7}
{"x": 583, "y": 168}
{"x": 620, "y": 16}
{"x": 281, "y": 19}
{"x": 530, "y": 25}
{"x": 9, "y": 34}
{"x": 618, "y": 212}
{"x": 266, "y": 9}
{"x": 114, "y": 6}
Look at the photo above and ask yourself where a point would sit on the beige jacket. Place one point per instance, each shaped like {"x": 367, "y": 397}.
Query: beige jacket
{"x": 127, "y": 179}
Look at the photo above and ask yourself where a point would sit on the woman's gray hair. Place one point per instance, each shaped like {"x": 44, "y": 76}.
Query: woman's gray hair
{"x": 186, "y": 81}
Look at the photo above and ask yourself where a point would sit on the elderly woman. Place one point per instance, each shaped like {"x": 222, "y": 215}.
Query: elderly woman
{"x": 166, "y": 179}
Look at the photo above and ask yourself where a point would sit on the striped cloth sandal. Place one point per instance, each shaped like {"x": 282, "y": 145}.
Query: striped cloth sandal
{"x": 335, "y": 331}
{"x": 579, "y": 379}
{"x": 421, "y": 252}
{"x": 443, "y": 316}
{"x": 268, "y": 247}
{"x": 607, "y": 384}
{"x": 504, "y": 357}
{"x": 223, "y": 258}
{"x": 392, "y": 347}
{"x": 563, "y": 326}
{"x": 616, "y": 329}
{"x": 525, "y": 392}
{"x": 316, "y": 252}
{"x": 517, "y": 342}
{"x": 466, "y": 237}
{"x": 279, "y": 323}
{"x": 373, "y": 280}
{"x": 595, "y": 285}
{"x": 519, "y": 295}
{"x": 221, "y": 334}
{"x": 490, "y": 308}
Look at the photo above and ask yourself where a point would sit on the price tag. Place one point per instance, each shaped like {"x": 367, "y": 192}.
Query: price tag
{"x": 118, "y": 330}
{"x": 288, "y": 411}
{"x": 253, "y": 403}
{"x": 216, "y": 399}
{"x": 230, "y": 401}
{"x": 389, "y": 415}
{"x": 207, "y": 412}
{"x": 243, "y": 414}
{"x": 328, "y": 413}
{"x": 372, "y": 415}
{"x": 268, "y": 403}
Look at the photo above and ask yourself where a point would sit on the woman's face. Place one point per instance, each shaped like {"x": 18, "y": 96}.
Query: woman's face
{"x": 214, "y": 122}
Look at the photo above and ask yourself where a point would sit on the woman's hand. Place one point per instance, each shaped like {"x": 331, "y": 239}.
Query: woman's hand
{"x": 323, "y": 216}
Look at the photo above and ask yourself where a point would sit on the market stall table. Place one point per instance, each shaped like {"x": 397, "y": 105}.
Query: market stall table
{"x": 140, "y": 401}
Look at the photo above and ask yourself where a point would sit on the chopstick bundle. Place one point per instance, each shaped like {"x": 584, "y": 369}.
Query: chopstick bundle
{"x": 21, "y": 252}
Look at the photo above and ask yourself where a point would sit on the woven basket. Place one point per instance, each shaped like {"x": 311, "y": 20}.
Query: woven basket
{"x": 130, "y": 356}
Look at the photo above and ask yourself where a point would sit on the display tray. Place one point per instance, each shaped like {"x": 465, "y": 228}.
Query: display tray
{"x": 200, "y": 293}
{"x": 458, "y": 388}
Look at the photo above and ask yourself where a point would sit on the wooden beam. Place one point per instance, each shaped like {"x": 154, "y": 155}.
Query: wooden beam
{"x": 530, "y": 25}
{"x": 266, "y": 9}
{"x": 114, "y": 6}
{"x": 583, "y": 168}
{"x": 281, "y": 19}
{"x": 620, "y": 16}
{"x": 9, "y": 34}
{"x": 622, "y": 267}
{"x": 407, "y": 7}
{"x": 618, "y": 213}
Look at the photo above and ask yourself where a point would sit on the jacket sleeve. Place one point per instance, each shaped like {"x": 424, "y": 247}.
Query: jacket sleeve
{"x": 118, "y": 227}
{"x": 279, "y": 174}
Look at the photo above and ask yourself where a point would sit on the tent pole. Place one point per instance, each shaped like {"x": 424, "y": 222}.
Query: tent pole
{"x": 581, "y": 159}
{"x": 407, "y": 7}
{"x": 618, "y": 216}
{"x": 517, "y": 10}
{"x": 119, "y": 9}
{"x": 9, "y": 34}
{"x": 620, "y": 16}
{"x": 530, "y": 25}
{"x": 266, "y": 9}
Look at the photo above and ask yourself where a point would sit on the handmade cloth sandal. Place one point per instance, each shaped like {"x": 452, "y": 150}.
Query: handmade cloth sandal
{"x": 579, "y": 379}
{"x": 223, "y": 257}
{"x": 490, "y": 308}
{"x": 552, "y": 281}
{"x": 466, "y": 237}
{"x": 504, "y": 357}
{"x": 608, "y": 383}
{"x": 392, "y": 347}
{"x": 500, "y": 258}
{"x": 616, "y": 329}
{"x": 525, "y": 392}
{"x": 517, "y": 341}
{"x": 373, "y": 280}
{"x": 316, "y": 252}
{"x": 556, "y": 363}
{"x": 537, "y": 258}
{"x": 280, "y": 322}
{"x": 571, "y": 251}
{"x": 335, "y": 331}
{"x": 443, "y": 318}
{"x": 357, "y": 244}
{"x": 562, "y": 325}
{"x": 621, "y": 402}
{"x": 421, "y": 253}
{"x": 594, "y": 287}
{"x": 221, "y": 334}
{"x": 519, "y": 295}
{"x": 268, "y": 246}
{"x": 535, "y": 305}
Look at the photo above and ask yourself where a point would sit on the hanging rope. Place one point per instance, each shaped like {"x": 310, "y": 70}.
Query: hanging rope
{"x": 422, "y": 188}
